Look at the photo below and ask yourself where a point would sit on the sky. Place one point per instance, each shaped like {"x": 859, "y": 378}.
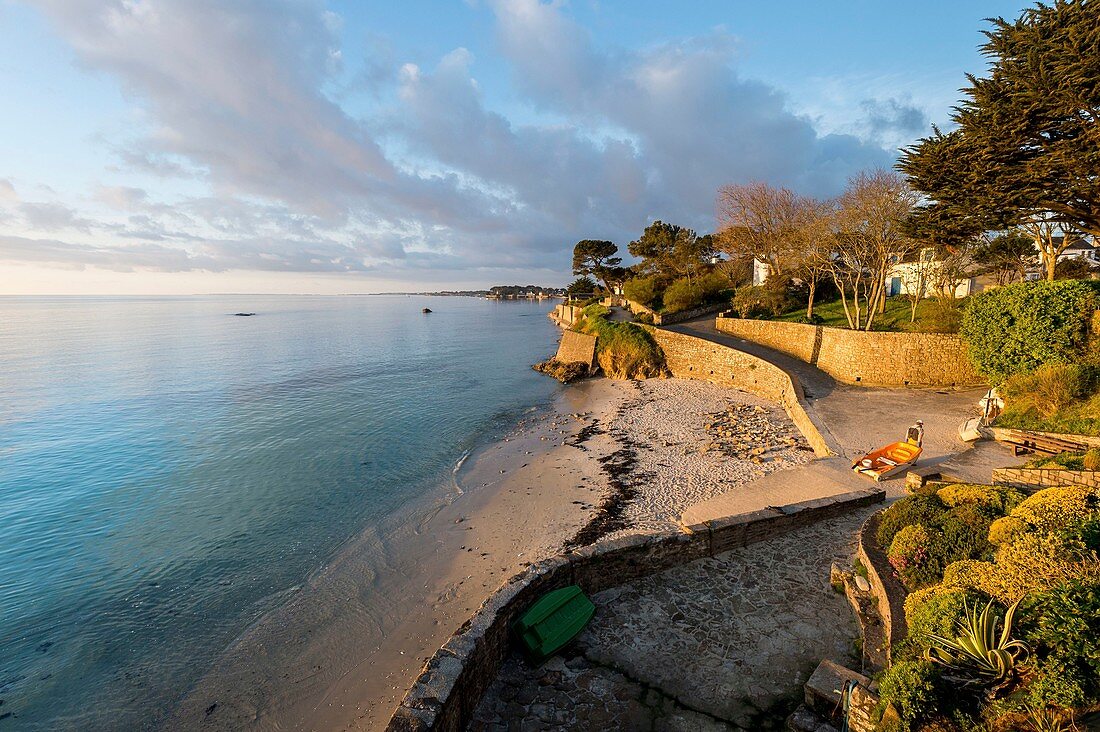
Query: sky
{"x": 299, "y": 146}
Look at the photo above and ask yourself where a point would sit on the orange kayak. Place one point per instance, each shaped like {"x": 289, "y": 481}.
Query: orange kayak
{"x": 887, "y": 460}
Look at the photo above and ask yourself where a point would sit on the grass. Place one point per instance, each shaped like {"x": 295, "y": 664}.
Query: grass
{"x": 623, "y": 350}
{"x": 931, "y": 316}
{"x": 1054, "y": 398}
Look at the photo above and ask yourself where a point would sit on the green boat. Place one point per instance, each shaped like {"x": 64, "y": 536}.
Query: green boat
{"x": 557, "y": 618}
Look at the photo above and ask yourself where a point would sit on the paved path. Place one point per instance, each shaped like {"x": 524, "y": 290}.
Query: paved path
{"x": 856, "y": 420}
{"x": 723, "y": 643}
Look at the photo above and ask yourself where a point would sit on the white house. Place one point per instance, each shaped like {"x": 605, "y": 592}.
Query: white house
{"x": 1081, "y": 249}
{"x": 921, "y": 272}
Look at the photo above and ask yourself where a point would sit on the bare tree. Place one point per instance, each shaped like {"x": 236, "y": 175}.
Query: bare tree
{"x": 1051, "y": 239}
{"x": 816, "y": 242}
{"x": 760, "y": 221}
{"x": 916, "y": 278}
{"x": 870, "y": 238}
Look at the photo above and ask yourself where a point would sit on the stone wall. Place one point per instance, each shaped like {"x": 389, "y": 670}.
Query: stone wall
{"x": 566, "y": 315}
{"x": 1037, "y": 478}
{"x": 888, "y": 591}
{"x": 689, "y": 357}
{"x": 670, "y": 318}
{"x": 454, "y": 680}
{"x": 577, "y": 348}
{"x": 870, "y": 359}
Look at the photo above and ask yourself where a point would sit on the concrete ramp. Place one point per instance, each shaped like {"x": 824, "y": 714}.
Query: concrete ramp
{"x": 817, "y": 479}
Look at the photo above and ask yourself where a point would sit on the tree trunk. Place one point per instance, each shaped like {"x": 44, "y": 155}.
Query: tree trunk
{"x": 1052, "y": 262}
{"x": 810, "y": 301}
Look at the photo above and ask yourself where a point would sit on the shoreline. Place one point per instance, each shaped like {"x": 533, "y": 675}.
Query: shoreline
{"x": 340, "y": 652}
{"x": 608, "y": 458}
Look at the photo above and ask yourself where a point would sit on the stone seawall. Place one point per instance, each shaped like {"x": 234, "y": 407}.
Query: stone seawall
{"x": 453, "y": 682}
{"x": 689, "y": 357}
{"x": 869, "y": 359}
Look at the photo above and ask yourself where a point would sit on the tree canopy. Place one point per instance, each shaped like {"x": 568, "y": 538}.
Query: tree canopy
{"x": 672, "y": 251}
{"x": 1027, "y": 143}
{"x": 596, "y": 258}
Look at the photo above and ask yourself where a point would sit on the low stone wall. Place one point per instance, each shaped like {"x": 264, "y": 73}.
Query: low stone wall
{"x": 888, "y": 591}
{"x": 670, "y": 318}
{"x": 858, "y": 357}
{"x": 1004, "y": 434}
{"x": 1035, "y": 478}
{"x": 689, "y": 357}
{"x": 453, "y": 682}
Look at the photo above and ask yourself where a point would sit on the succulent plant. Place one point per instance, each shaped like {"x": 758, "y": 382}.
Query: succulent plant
{"x": 980, "y": 655}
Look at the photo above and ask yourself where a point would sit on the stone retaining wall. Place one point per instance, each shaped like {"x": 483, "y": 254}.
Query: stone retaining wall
{"x": 858, "y": 357}
{"x": 689, "y": 357}
{"x": 566, "y": 314}
{"x": 1035, "y": 478}
{"x": 888, "y": 590}
{"x": 454, "y": 680}
{"x": 670, "y": 318}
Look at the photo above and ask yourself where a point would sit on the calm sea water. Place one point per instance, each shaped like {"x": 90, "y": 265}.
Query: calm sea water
{"x": 168, "y": 472}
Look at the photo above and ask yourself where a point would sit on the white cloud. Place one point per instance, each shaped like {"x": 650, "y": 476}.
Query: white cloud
{"x": 233, "y": 93}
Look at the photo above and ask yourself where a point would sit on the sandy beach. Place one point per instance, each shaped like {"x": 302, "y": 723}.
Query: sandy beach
{"x": 610, "y": 457}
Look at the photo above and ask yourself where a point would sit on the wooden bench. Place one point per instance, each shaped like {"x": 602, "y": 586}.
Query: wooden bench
{"x": 1024, "y": 442}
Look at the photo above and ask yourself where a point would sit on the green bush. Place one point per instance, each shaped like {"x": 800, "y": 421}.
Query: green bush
{"x": 1066, "y": 637}
{"x": 1017, "y": 328}
{"x": 941, "y": 315}
{"x": 933, "y": 613}
{"x": 946, "y": 534}
{"x": 623, "y": 350}
{"x": 685, "y": 294}
{"x": 770, "y": 299}
{"x": 642, "y": 290}
{"x": 909, "y": 686}
{"x": 918, "y": 509}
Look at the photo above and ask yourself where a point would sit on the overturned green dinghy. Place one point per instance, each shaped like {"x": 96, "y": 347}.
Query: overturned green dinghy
{"x": 557, "y": 618}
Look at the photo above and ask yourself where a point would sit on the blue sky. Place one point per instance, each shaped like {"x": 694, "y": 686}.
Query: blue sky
{"x": 178, "y": 146}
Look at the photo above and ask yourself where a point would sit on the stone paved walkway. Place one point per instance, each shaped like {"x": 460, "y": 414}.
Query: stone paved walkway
{"x": 723, "y": 643}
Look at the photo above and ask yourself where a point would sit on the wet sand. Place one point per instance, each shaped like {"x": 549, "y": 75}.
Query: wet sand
{"x": 611, "y": 457}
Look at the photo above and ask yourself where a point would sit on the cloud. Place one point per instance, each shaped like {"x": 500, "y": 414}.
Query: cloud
{"x": 52, "y": 216}
{"x": 890, "y": 118}
{"x": 7, "y": 191}
{"x": 234, "y": 92}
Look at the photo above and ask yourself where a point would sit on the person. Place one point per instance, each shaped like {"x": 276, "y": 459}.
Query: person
{"x": 915, "y": 434}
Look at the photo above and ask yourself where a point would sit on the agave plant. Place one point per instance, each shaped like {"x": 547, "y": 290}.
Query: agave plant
{"x": 980, "y": 655}
{"x": 1051, "y": 720}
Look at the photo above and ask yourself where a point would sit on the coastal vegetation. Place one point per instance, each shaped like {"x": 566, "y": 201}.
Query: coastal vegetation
{"x": 623, "y": 350}
{"x": 1003, "y": 612}
{"x": 1038, "y": 343}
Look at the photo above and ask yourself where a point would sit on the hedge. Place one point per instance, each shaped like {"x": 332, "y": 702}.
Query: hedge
{"x": 1017, "y": 328}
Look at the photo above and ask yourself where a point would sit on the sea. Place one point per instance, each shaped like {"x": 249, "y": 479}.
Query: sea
{"x": 170, "y": 471}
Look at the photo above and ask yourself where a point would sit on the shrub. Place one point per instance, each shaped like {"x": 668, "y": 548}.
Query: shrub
{"x": 1005, "y": 528}
{"x": 909, "y": 686}
{"x": 641, "y": 290}
{"x": 1091, "y": 460}
{"x": 1066, "y": 636}
{"x": 1053, "y": 508}
{"x": 623, "y": 350}
{"x": 934, "y": 611}
{"x": 1049, "y": 389}
{"x": 685, "y": 293}
{"x": 1017, "y": 328}
{"x": 770, "y": 299}
{"x": 915, "y": 509}
{"x": 1037, "y": 562}
{"x": 909, "y": 555}
{"x": 997, "y": 498}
